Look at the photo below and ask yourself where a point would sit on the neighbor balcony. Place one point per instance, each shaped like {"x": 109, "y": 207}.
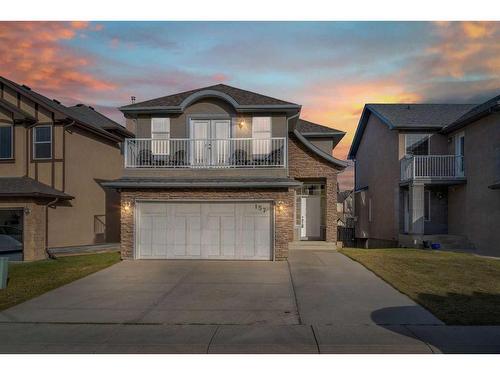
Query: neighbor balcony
{"x": 206, "y": 153}
{"x": 433, "y": 168}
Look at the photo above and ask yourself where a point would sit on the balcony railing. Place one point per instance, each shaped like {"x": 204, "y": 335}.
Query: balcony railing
{"x": 206, "y": 153}
{"x": 432, "y": 167}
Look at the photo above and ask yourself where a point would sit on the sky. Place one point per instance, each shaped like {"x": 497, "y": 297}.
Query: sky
{"x": 331, "y": 68}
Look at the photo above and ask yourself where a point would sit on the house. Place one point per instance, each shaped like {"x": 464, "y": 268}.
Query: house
{"x": 345, "y": 208}
{"x": 224, "y": 173}
{"x": 52, "y": 159}
{"x": 428, "y": 172}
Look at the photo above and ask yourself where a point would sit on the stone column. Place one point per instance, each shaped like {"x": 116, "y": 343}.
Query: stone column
{"x": 416, "y": 200}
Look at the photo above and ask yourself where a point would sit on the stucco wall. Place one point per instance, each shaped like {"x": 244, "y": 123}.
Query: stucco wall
{"x": 474, "y": 209}
{"x": 377, "y": 168}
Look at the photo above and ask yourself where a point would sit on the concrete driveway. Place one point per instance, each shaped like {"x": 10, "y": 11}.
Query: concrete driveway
{"x": 318, "y": 302}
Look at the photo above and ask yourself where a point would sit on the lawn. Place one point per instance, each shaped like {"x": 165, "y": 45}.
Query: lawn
{"x": 457, "y": 288}
{"x": 28, "y": 280}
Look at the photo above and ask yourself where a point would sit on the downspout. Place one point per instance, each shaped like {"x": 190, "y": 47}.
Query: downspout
{"x": 53, "y": 202}
{"x": 287, "y": 132}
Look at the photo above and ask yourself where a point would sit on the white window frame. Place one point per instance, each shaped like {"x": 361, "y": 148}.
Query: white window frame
{"x": 11, "y": 141}
{"x": 35, "y": 142}
{"x": 427, "y": 203}
{"x": 160, "y": 139}
{"x": 428, "y": 135}
{"x": 261, "y": 147}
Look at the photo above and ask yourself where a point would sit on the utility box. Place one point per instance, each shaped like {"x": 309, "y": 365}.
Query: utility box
{"x": 4, "y": 271}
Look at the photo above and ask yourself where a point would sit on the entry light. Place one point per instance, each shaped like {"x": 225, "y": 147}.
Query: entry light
{"x": 127, "y": 206}
{"x": 241, "y": 124}
{"x": 280, "y": 206}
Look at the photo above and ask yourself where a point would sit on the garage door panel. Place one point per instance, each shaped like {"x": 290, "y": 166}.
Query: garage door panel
{"x": 211, "y": 230}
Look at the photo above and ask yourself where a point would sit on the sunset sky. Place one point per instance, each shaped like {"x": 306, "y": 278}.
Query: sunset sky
{"x": 331, "y": 68}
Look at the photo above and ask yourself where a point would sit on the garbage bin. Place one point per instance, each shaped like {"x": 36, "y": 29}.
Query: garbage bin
{"x": 4, "y": 268}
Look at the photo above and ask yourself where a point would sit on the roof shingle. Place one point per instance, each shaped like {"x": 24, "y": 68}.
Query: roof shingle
{"x": 27, "y": 187}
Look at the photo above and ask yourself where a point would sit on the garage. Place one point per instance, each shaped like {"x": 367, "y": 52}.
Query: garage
{"x": 204, "y": 230}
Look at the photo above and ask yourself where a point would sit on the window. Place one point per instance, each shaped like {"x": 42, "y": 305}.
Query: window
{"x": 370, "y": 217}
{"x": 160, "y": 134}
{"x": 261, "y": 134}
{"x": 427, "y": 205}
{"x": 417, "y": 144}
{"x": 6, "y": 141}
{"x": 42, "y": 142}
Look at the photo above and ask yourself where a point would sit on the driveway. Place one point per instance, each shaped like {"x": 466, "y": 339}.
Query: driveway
{"x": 318, "y": 302}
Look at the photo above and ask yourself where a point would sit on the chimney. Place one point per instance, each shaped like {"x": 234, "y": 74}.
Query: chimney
{"x": 132, "y": 99}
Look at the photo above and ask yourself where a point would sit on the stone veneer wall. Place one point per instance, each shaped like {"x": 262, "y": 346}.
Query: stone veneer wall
{"x": 33, "y": 226}
{"x": 304, "y": 165}
{"x": 284, "y": 218}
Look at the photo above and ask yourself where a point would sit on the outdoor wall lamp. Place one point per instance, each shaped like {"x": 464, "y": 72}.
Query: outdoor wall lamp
{"x": 241, "y": 124}
{"x": 27, "y": 210}
{"x": 280, "y": 206}
{"x": 127, "y": 206}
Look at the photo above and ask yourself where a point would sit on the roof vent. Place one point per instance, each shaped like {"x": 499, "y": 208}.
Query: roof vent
{"x": 92, "y": 108}
{"x": 408, "y": 106}
{"x": 79, "y": 105}
{"x": 132, "y": 99}
{"x": 26, "y": 87}
{"x": 56, "y": 101}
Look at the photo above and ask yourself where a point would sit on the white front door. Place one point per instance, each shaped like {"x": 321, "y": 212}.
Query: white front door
{"x": 208, "y": 230}
{"x": 310, "y": 217}
{"x": 210, "y": 142}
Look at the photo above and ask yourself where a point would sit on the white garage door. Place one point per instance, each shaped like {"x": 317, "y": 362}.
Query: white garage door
{"x": 193, "y": 230}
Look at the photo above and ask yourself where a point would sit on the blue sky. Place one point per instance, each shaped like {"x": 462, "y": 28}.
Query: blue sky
{"x": 331, "y": 68}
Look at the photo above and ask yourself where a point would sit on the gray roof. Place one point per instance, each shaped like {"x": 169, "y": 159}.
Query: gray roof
{"x": 409, "y": 117}
{"x": 90, "y": 115}
{"x": 18, "y": 113}
{"x": 27, "y": 187}
{"x": 474, "y": 114}
{"x": 221, "y": 183}
{"x": 308, "y": 127}
{"x": 340, "y": 164}
{"x": 343, "y": 195}
{"x": 241, "y": 97}
{"x": 419, "y": 115}
{"x": 58, "y": 107}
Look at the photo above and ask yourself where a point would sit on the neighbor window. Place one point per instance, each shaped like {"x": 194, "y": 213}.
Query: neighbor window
{"x": 261, "y": 134}
{"x": 417, "y": 144}
{"x": 42, "y": 142}
{"x": 6, "y": 141}
{"x": 427, "y": 205}
{"x": 160, "y": 134}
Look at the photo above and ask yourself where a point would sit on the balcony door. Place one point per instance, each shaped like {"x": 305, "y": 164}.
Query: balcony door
{"x": 210, "y": 144}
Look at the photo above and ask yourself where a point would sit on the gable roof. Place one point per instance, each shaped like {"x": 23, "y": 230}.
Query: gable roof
{"x": 409, "y": 117}
{"x": 57, "y": 107}
{"x": 27, "y": 187}
{"x": 90, "y": 115}
{"x": 239, "y": 98}
{"x": 477, "y": 112}
{"x": 343, "y": 195}
{"x": 18, "y": 114}
{"x": 340, "y": 164}
{"x": 312, "y": 130}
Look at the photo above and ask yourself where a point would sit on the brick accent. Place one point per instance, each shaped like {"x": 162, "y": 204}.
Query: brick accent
{"x": 283, "y": 233}
{"x": 304, "y": 165}
{"x": 33, "y": 226}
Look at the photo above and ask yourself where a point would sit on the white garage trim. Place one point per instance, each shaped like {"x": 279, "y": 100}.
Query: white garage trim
{"x": 212, "y": 239}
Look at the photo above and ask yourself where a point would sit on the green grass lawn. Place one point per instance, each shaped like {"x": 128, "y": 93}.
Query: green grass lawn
{"x": 457, "y": 288}
{"x": 28, "y": 280}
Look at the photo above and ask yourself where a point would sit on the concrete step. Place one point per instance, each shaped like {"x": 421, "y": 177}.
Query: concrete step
{"x": 57, "y": 252}
{"x": 312, "y": 245}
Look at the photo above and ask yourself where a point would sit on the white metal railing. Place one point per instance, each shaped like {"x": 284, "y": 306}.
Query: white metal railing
{"x": 206, "y": 153}
{"x": 432, "y": 166}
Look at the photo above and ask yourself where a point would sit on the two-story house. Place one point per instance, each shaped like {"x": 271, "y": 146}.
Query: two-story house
{"x": 427, "y": 173}
{"x": 224, "y": 173}
{"x": 52, "y": 160}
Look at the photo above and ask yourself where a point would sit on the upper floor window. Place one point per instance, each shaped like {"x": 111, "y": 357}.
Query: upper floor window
{"x": 6, "y": 141}
{"x": 417, "y": 144}
{"x": 261, "y": 135}
{"x": 160, "y": 135}
{"x": 42, "y": 142}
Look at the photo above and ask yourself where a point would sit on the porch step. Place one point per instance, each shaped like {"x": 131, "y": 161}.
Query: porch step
{"x": 312, "y": 245}
{"x": 451, "y": 242}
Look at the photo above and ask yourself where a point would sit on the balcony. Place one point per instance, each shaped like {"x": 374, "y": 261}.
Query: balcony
{"x": 432, "y": 167}
{"x": 206, "y": 153}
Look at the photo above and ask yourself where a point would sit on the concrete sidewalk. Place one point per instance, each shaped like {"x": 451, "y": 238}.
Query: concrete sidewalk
{"x": 157, "y": 338}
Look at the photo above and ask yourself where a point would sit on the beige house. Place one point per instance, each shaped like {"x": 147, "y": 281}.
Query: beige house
{"x": 224, "y": 173}
{"x": 428, "y": 173}
{"x": 52, "y": 160}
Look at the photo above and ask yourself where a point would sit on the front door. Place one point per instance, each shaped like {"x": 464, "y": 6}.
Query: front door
{"x": 210, "y": 142}
{"x": 310, "y": 218}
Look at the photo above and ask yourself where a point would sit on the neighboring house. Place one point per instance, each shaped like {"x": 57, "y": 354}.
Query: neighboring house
{"x": 224, "y": 173}
{"x": 345, "y": 208}
{"x": 428, "y": 172}
{"x": 52, "y": 158}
